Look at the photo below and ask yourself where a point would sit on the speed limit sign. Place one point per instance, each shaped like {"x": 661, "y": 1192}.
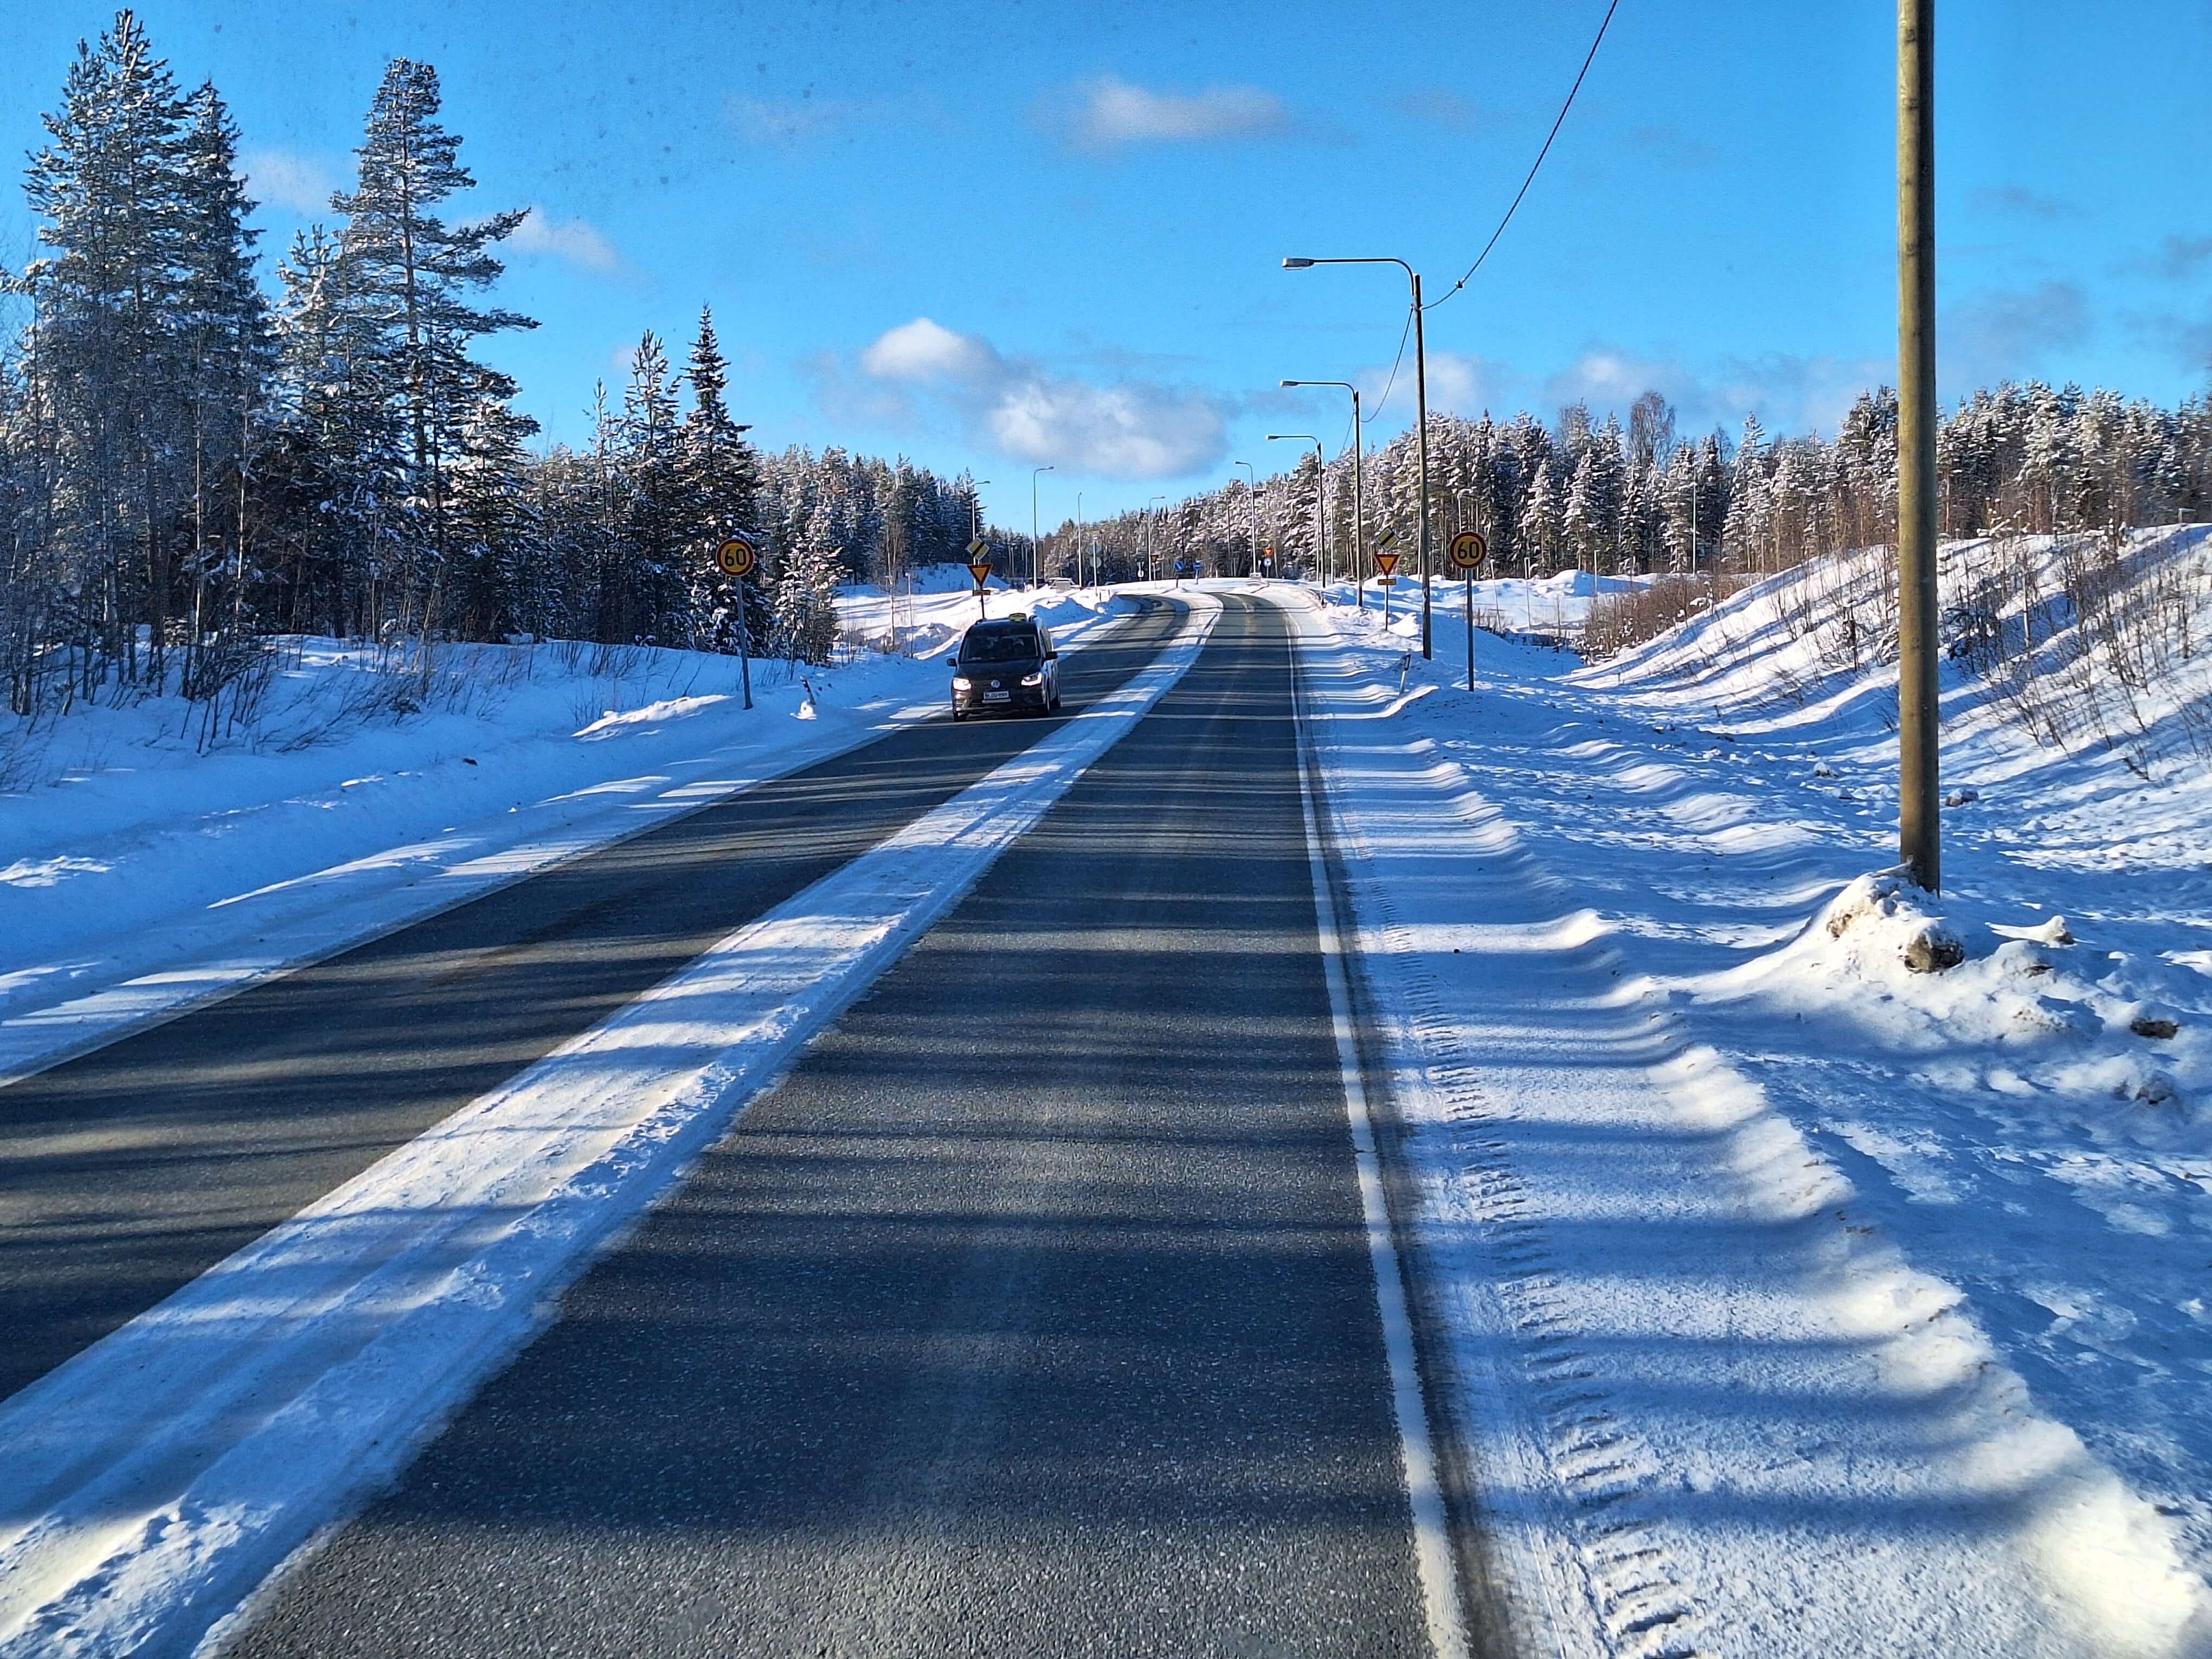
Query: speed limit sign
{"x": 1468, "y": 551}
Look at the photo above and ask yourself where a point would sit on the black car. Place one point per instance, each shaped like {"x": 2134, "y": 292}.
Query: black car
{"x": 1007, "y": 663}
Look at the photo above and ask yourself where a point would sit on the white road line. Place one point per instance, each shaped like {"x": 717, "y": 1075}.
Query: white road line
{"x": 150, "y": 1482}
{"x": 1432, "y": 1549}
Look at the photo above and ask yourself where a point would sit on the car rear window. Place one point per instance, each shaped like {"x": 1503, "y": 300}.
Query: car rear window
{"x": 999, "y": 645}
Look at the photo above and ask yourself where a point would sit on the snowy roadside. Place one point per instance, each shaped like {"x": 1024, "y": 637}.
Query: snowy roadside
{"x": 1737, "y": 1385}
{"x": 148, "y": 876}
{"x": 152, "y": 1481}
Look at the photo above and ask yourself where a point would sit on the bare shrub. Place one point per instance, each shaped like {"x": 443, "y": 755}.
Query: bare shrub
{"x": 1618, "y": 622}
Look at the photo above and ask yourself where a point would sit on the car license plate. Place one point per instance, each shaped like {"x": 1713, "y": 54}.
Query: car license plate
{"x": 998, "y": 697}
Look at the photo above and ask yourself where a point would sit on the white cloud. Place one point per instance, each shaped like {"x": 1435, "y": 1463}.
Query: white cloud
{"x": 572, "y": 240}
{"x": 1131, "y": 429}
{"x": 1110, "y": 114}
{"x": 925, "y": 350}
{"x": 281, "y": 179}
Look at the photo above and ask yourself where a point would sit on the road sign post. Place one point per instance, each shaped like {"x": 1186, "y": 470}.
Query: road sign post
{"x": 1468, "y": 551}
{"x": 979, "y": 567}
{"x": 737, "y": 558}
{"x": 1386, "y": 562}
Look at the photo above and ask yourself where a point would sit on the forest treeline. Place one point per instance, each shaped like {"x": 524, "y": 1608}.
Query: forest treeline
{"x": 1579, "y": 493}
{"x": 188, "y": 466}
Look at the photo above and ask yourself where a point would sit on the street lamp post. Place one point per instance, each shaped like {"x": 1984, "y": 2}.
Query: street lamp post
{"x": 1359, "y": 498}
{"x": 1151, "y": 542}
{"x": 975, "y": 507}
{"x": 1033, "y": 522}
{"x": 1252, "y": 484}
{"x": 1321, "y": 501}
{"x": 1078, "y": 536}
{"x": 1420, "y": 413}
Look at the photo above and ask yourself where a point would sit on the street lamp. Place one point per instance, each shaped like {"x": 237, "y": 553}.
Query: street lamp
{"x": 1321, "y": 501}
{"x": 1252, "y": 483}
{"x": 1151, "y": 543}
{"x": 1359, "y": 503}
{"x": 1033, "y": 522}
{"x": 1421, "y": 411}
{"x": 1079, "y": 536}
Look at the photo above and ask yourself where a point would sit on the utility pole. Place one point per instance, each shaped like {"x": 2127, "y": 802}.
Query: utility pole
{"x": 1421, "y": 416}
{"x": 1920, "y": 832}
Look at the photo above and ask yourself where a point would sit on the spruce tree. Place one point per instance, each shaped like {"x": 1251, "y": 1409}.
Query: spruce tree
{"x": 110, "y": 186}
{"x": 721, "y": 478}
{"x": 409, "y": 273}
{"x": 229, "y": 348}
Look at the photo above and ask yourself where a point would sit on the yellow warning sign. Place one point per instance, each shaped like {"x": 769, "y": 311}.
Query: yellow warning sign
{"x": 1385, "y": 563}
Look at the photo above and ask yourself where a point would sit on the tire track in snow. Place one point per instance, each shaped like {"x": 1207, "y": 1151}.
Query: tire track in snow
{"x": 1604, "y": 1470}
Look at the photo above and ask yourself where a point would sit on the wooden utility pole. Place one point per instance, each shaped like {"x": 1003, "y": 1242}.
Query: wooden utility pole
{"x": 1919, "y": 828}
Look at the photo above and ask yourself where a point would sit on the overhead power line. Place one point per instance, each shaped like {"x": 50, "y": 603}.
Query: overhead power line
{"x": 1588, "y": 58}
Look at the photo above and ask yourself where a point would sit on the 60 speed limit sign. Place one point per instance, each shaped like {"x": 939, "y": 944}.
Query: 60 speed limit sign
{"x": 1468, "y": 551}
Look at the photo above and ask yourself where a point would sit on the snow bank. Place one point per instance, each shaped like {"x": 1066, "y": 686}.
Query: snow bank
{"x": 1810, "y": 1304}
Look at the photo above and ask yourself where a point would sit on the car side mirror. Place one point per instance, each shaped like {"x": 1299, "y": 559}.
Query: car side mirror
{"x": 1052, "y": 656}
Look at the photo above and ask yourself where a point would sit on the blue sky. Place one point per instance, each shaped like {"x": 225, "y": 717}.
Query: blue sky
{"x": 998, "y": 235}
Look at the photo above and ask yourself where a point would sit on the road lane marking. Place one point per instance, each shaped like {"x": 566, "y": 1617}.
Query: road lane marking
{"x": 150, "y": 1482}
{"x": 1432, "y": 1548}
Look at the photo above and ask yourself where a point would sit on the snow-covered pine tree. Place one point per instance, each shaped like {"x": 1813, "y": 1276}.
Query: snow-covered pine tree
{"x": 332, "y": 480}
{"x": 658, "y": 515}
{"x": 111, "y": 187}
{"x": 805, "y": 629}
{"x": 410, "y": 273}
{"x": 1750, "y": 520}
{"x": 1541, "y": 512}
{"x": 228, "y": 353}
{"x": 721, "y": 476}
{"x": 500, "y": 582}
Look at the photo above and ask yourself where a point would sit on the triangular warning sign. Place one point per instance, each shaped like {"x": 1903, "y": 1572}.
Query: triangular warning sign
{"x": 1386, "y": 562}
{"x": 979, "y": 570}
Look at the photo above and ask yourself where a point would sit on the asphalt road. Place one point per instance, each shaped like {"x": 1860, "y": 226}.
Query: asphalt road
{"x": 1030, "y": 1315}
{"x": 127, "y": 1173}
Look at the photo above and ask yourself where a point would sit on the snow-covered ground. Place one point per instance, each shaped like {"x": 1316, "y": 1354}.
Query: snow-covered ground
{"x": 138, "y": 874}
{"x": 1841, "y": 1308}
{"x": 1550, "y": 607}
{"x": 1813, "y": 1305}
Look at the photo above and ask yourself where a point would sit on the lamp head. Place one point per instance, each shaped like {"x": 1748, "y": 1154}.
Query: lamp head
{"x": 1296, "y": 265}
